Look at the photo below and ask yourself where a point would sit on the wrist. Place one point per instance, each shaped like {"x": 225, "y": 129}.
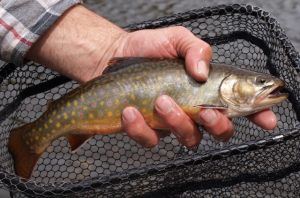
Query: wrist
{"x": 78, "y": 45}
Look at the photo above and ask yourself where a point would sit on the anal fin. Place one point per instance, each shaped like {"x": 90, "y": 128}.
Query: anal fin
{"x": 89, "y": 129}
{"x": 77, "y": 140}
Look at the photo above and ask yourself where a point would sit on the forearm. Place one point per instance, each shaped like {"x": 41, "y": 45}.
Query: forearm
{"x": 22, "y": 22}
{"x": 78, "y": 45}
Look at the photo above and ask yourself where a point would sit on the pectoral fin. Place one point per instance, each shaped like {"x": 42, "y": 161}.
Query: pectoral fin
{"x": 77, "y": 140}
{"x": 209, "y": 106}
{"x": 193, "y": 112}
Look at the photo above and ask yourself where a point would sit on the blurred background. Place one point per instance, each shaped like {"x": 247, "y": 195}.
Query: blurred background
{"x": 125, "y": 12}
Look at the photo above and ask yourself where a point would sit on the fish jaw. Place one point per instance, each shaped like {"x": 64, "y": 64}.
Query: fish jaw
{"x": 271, "y": 95}
{"x": 257, "y": 97}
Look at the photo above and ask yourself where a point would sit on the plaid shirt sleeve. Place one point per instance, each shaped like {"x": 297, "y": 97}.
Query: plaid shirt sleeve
{"x": 22, "y": 22}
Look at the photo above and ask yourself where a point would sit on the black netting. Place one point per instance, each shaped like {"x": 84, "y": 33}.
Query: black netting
{"x": 253, "y": 163}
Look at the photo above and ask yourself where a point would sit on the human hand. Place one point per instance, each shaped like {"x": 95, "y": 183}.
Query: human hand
{"x": 86, "y": 43}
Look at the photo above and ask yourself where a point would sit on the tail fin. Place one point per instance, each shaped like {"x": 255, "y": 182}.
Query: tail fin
{"x": 24, "y": 158}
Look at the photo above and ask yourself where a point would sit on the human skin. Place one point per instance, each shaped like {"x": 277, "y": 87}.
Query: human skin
{"x": 80, "y": 44}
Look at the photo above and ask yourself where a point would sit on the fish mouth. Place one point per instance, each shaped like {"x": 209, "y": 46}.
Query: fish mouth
{"x": 272, "y": 95}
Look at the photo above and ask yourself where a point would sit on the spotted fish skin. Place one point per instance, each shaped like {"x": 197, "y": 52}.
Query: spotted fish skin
{"x": 96, "y": 106}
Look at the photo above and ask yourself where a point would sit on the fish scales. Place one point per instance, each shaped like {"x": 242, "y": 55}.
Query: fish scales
{"x": 105, "y": 98}
{"x": 96, "y": 106}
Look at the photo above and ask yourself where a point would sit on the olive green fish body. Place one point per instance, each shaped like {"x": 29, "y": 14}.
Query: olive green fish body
{"x": 103, "y": 99}
{"x": 96, "y": 107}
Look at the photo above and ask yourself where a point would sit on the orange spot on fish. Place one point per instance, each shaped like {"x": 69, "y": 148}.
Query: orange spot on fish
{"x": 91, "y": 116}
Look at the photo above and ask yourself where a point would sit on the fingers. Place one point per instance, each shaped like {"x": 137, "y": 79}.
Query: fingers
{"x": 216, "y": 123}
{"x": 197, "y": 53}
{"x": 137, "y": 129}
{"x": 180, "y": 124}
{"x": 265, "y": 119}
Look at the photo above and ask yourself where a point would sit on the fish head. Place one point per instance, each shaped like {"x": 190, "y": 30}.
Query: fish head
{"x": 250, "y": 92}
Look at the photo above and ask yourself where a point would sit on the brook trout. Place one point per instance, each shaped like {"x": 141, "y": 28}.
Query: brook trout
{"x": 96, "y": 106}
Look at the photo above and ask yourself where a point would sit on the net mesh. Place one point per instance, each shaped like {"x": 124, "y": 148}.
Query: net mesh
{"x": 254, "y": 163}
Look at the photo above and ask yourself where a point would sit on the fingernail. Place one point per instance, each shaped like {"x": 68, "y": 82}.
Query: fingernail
{"x": 208, "y": 116}
{"x": 129, "y": 114}
{"x": 164, "y": 105}
{"x": 202, "y": 69}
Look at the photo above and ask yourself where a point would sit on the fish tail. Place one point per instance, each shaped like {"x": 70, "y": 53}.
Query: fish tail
{"x": 24, "y": 158}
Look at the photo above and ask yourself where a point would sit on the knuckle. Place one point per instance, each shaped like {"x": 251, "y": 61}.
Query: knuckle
{"x": 168, "y": 45}
{"x": 206, "y": 48}
{"x": 181, "y": 29}
{"x": 183, "y": 33}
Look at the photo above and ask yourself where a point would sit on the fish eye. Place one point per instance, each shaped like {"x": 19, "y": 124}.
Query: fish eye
{"x": 261, "y": 80}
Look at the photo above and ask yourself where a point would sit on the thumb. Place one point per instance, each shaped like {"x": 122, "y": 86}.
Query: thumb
{"x": 196, "y": 52}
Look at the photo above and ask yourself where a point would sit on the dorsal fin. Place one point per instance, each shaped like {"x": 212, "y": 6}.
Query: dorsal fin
{"x": 119, "y": 63}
